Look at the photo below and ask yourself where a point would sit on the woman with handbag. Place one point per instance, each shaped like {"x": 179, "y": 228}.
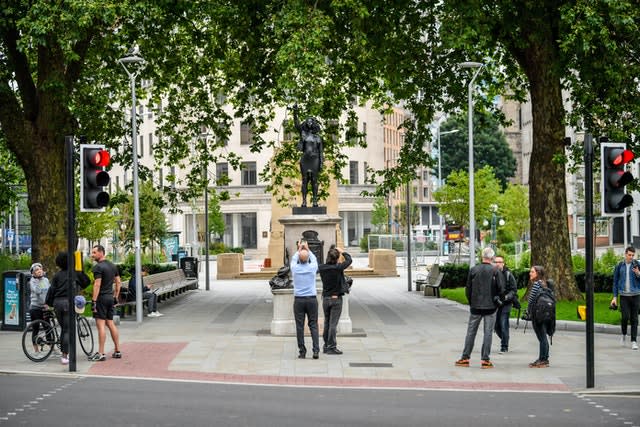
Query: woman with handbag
{"x": 332, "y": 275}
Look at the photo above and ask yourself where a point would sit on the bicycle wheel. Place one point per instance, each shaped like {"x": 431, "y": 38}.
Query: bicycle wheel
{"x": 39, "y": 346}
{"x": 85, "y": 335}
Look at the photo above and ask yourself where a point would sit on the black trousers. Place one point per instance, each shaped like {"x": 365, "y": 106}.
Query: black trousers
{"x": 306, "y": 306}
{"x": 629, "y": 306}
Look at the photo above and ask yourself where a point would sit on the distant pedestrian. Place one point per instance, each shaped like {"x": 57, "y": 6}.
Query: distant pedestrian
{"x": 38, "y": 285}
{"x": 485, "y": 284}
{"x": 104, "y": 296}
{"x": 332, "y": 275}
{"x": 626, "y": 284}
{"x": 304, "y": 267}
{"x": 147, "y": 294}
{"x": 542, "y": 328}
{"x": 509, "y": 300}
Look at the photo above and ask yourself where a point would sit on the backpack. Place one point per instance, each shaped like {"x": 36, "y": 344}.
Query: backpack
{"x": 544, "y": 309}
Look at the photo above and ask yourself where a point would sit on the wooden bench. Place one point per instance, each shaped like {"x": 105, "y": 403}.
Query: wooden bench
{"x": 165, "y": 285}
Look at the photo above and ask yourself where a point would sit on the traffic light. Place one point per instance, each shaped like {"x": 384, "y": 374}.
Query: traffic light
{"x": 93, "y": 177}
{"x": 613, "y": 158}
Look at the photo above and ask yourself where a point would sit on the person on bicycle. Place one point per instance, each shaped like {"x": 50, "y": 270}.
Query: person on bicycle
{"x": 58, "y": 298}
{"x": 39, "y": 286}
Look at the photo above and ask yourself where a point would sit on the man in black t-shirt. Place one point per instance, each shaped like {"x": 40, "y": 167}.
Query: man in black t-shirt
{"x": 105, "y": 274}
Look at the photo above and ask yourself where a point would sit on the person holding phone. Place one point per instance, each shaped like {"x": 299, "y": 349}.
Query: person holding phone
{"x": 626, "y": 284}
{"x": 304, "y": 267}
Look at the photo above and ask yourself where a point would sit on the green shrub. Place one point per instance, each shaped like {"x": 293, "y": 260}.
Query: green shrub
{"x": 364, "y": 243}
{"x": 607, "y": 262}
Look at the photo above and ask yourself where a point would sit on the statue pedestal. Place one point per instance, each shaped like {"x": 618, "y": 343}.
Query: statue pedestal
{"x": 282, "y": 322}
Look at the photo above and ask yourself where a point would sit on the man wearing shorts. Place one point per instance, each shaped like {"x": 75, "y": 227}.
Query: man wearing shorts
{"x": 104, "y": 297}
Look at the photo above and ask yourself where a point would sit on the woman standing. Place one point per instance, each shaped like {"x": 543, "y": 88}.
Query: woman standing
{"x": 39, "y": 286}
{"x": 59, "y": 299}
{"x": 332, "y": 275}
{"x": 537, "y": 277}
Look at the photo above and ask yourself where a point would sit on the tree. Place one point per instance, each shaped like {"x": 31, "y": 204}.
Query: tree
{"x": 490, "y": 146}
{"x": 216, "y": 218}
{"x": 453, "y": 197}
{"x": 514, "y": 207}
{"x": 11, "y": 178}
{"x": 380, "y": 215}
{"x": 400, "y": 215}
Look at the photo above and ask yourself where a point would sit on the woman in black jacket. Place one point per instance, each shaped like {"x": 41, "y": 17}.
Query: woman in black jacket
{"x": 58, "y": 298}
{"x": 332, "y": 275}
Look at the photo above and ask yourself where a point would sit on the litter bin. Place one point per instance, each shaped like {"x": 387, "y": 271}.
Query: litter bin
{"x": 15, "y": 286}
{"x": 190, "y": 266}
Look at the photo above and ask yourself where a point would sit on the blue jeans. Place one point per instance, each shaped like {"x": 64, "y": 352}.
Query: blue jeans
{"x": 502, "y": 325}
{"x": 332, "y": 308}
{"x": 541, "y": 333}
{"x": 472, "y": 330}
{"x": 306, "y": 306}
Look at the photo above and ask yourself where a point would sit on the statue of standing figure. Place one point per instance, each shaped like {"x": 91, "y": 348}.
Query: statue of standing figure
{"x": 312, "y": 159}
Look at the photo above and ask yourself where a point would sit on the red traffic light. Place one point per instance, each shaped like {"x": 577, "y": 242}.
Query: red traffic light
{"x": 98, "y": 157}
{"x": 620, "y": 157}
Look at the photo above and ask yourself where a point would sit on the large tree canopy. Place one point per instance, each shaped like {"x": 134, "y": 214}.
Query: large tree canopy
{"x": 59, "y": 75}
{"x": 490, "y": 146}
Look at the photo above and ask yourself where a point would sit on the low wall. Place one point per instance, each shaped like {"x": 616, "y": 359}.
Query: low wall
{"x": 229, "y": 266}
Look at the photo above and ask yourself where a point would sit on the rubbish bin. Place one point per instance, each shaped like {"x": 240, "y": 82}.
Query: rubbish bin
{"x": 190, "y": 266}
{"x": 15, "y": 286}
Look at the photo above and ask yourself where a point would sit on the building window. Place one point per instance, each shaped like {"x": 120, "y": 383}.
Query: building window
{"x": 222, "y": 174}
{"x": 150, "y": 143}
{"x": 366, "y": 167}
{"x": 141, "y": 152}
{"x": 353, "y": 173}
{"x": 249, "y": 173}
{"x": 173, "y": 177}
{"x": 249, "y": 225}
{"x": 160, "y": 178}
{"x": 117, "y": 183}
{"x": 246, "y": 134}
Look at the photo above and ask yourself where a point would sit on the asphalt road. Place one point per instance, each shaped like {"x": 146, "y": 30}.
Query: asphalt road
{"x": 93, "y": 401}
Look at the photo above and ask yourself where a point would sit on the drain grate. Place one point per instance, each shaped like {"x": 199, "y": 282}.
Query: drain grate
{"x": 370, "y": 365}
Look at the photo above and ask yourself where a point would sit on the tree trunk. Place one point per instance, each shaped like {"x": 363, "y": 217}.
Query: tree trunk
{"x": 550, "y": 246}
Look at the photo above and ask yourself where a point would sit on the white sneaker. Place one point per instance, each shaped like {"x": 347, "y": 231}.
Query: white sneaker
{"x": 623, "y": 340}
{"x": 634, "y": 345}
{"x": 64, "y": 360}
{"x": 153, "y": 314}
{"x": 158, "y": 314}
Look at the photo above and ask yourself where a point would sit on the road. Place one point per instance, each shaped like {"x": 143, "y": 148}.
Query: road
{"x": 95, "y": 401}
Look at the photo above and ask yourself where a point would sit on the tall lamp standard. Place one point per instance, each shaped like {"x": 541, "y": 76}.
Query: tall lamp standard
{"x": 472, "y": 210}
{"x": 206, "y": 213}
{"x": 440, "y": 218}
{"x": 135, "y": 62}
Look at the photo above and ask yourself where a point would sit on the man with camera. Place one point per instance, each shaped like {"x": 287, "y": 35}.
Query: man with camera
{"x": 626, "y": 284}
{"x": 304, "y": 267}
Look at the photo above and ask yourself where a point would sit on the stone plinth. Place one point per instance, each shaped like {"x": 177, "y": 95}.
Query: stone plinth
{"x": 383, "y": 262}
{"x": 229, "y": 266}
{"x": 295, "y": 225}
{"x": 283, "y": 324}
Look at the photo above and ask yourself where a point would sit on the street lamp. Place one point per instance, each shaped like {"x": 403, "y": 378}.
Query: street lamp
{"x": 494, "y": 223}
{"x": 440, "y": 218}
{"x": 135, "y": 62}
{"x": 114, "y": 242}
{"x": 472, "y": 213}
{"x": 206, "y": 212}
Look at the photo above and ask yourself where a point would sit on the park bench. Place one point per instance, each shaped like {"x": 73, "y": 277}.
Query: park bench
{"x": 166, "y": 285}
{"x": 430, "y": 282}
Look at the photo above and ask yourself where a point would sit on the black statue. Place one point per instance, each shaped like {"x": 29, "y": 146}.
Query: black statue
{"x": 311, "y": 161}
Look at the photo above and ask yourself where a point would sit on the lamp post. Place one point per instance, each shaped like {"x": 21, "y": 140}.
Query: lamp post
{"x": 440, "y": 218}
{"x": 134, "y": 61}
{"x": 206, "y": 212}
{"x": 472, "y": 213}
{"x": 114, "y": 242}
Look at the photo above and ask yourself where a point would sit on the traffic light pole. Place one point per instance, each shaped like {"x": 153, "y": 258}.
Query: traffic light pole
{"x": 589, "y": 254}
{"x": 71, "y": 221}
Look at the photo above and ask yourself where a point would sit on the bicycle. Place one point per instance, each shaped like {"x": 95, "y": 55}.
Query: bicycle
{"x": 39, "y": 347}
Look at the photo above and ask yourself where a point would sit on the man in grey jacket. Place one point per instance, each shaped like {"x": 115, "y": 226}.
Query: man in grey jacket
{"x": 485, "y": 284}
